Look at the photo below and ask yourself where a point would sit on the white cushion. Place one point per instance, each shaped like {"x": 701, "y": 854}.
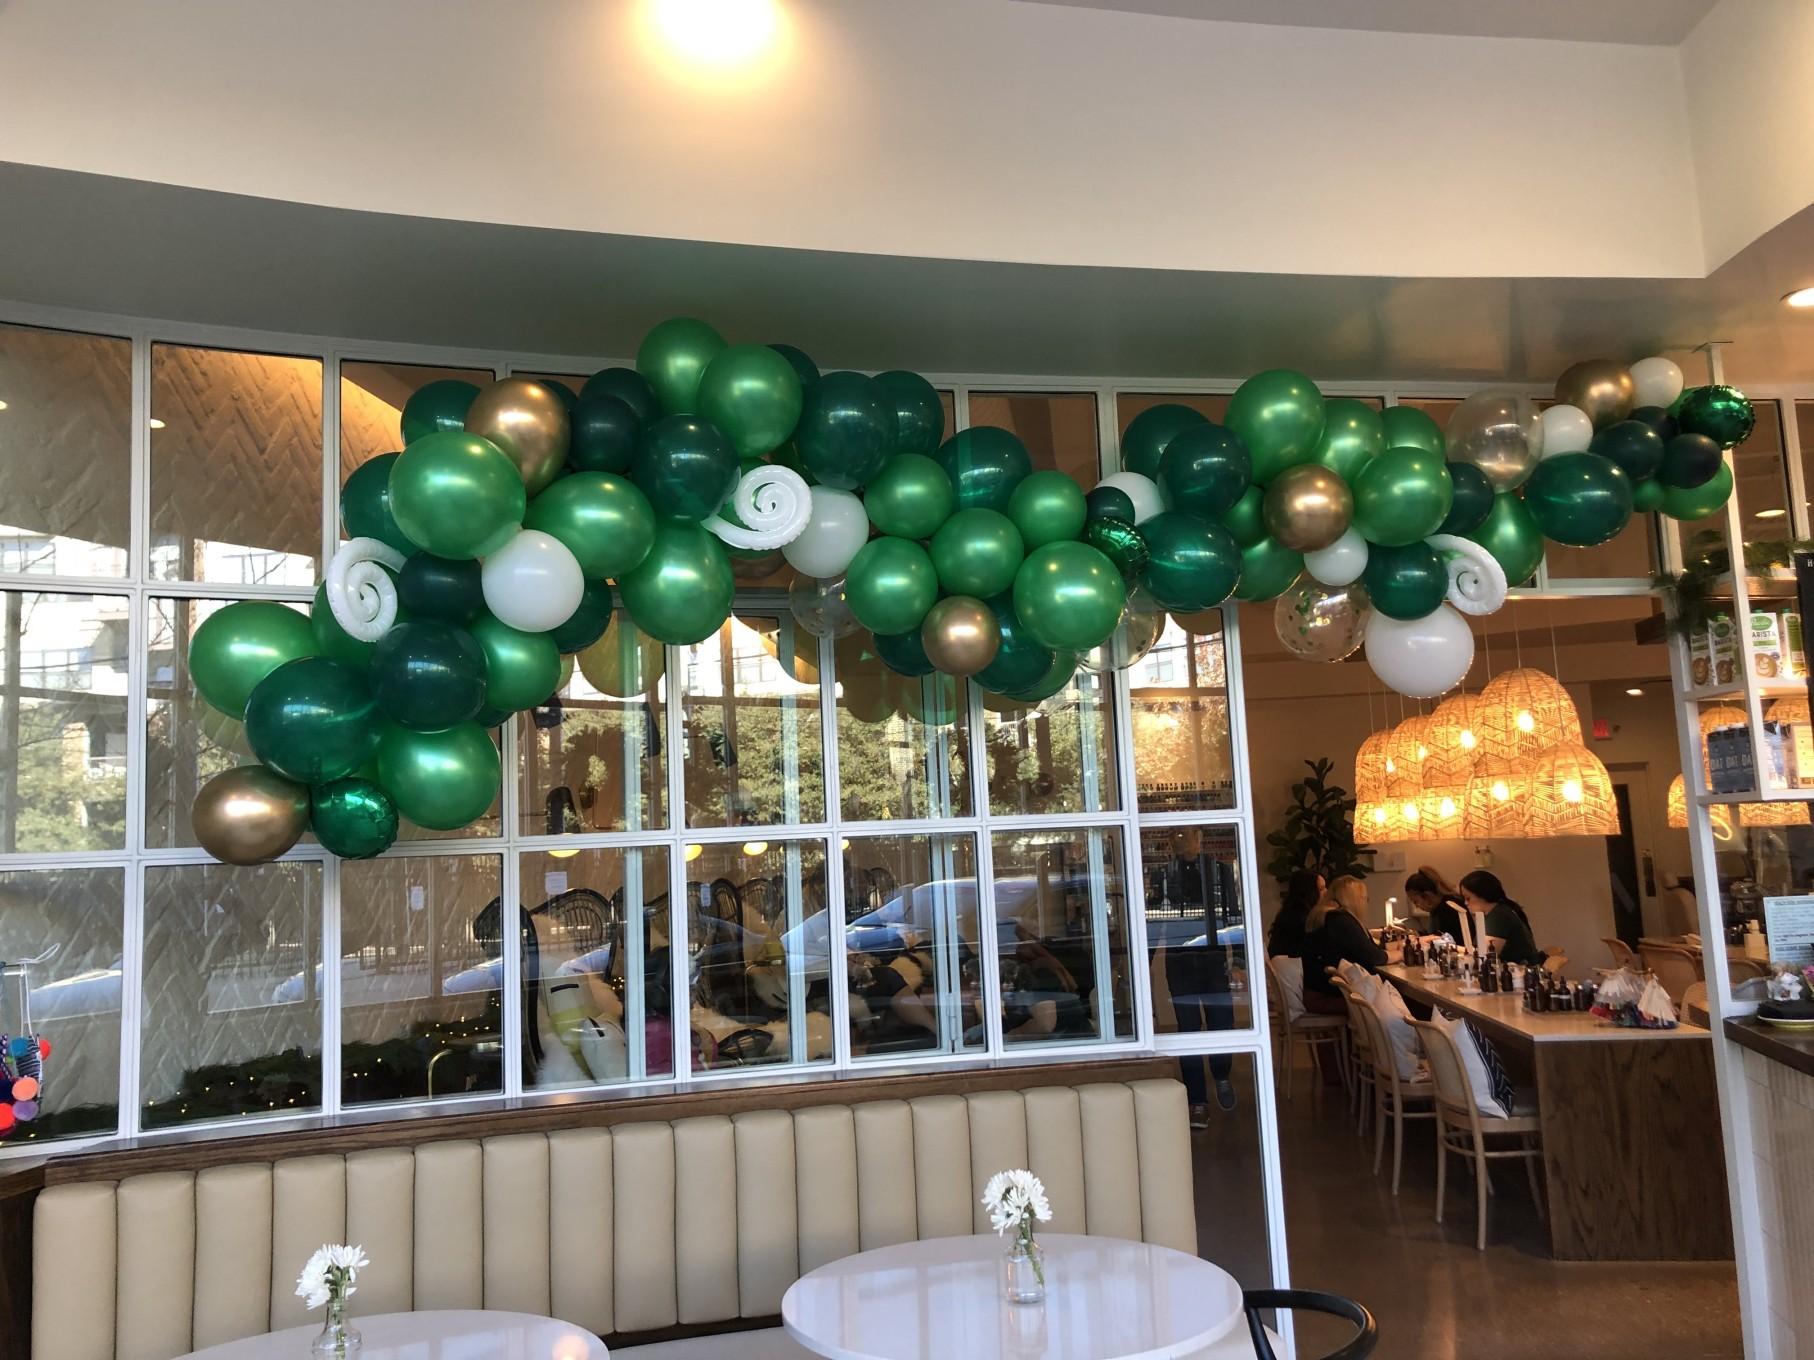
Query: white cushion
{"x": 1290, "y": 973}
{"x": 1361, "y": 982}
{"x": 1472, "y": 1063}
{"x": 1395, "y": 1020}
{"x": 766, "y": 1343}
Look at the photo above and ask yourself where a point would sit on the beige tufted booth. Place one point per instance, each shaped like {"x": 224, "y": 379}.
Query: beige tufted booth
{"x": 642, "y": 1230}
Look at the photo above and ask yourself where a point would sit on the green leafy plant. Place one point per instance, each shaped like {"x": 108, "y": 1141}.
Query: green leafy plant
{"x": 1695, "y": 591}
{"x": 1319, "y": 830}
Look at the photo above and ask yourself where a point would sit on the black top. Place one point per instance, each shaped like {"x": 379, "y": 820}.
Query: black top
{"x": 1287, "y": 934}
{"x": 1340, "y": 939}
{"x": 1506, "y": 921}
{"x": 1445, "y": 919}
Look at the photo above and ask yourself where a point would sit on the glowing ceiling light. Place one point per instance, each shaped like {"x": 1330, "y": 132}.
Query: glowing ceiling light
{"x": 1800, "y": 299}
{"x": 694, "y": 852}
{"x": 563, "y": 854}
{"x": 1501, "y": 791}
{"x": 1634, "y": 691}
{"x": 754, "y": 848}
{"x": 1775, "y": 513}
{"x": 155, "y": 423}
{"x": 721, "y": 33}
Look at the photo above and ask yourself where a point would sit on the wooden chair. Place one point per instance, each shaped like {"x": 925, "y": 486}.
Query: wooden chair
{"x": 1315, "y": 1032}
{"x": 1462, "y": 1128}
{"x": 1623, "y": 955}
{"x": 1694, "y": 1008}
{"x": 1394, "y": 1097}
{"x": 1743, "y": 970}
{"x": 1674, "y": 966}
{"x": 1362, "y": 1097}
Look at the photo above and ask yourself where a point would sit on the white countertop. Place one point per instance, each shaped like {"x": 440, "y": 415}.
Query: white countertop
{"x": 430, "y": 1335}
{"x": 1507, "y": 1012}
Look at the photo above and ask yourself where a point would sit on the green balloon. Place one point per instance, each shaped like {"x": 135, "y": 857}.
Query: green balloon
{"x": 753, "y": 395}
{"x": 1697, "y": 502}
{"x": 447, "y": 588}
{"x": 1354, "y": 434}
{"x": 587, "y": 624}
{"x": 1048, "y": 507}
{"x": 1108, "y": 502}
{"x": 919, "y": 415}
{"x": 1246, "y": 519}
{"x": 522, "y": 669}
{"x": 1406, "y": 427}
{"x": 365, "y": 504}
{"x": 910, "y": 497}
{"x": 681, "y": 593}
{"x": 1512, "y": 537}
{"x": 1582, "y": 499}
{"x": 312, "y": 720}
{"x": 1151, "y": 432}
{"x": 1121, "y": 543}
{"x": 1279, "y": 416}
{"x": 1021, "y": 661}
{"x": 1058, "y": 675}
{"x": 353, "y": 818}
{"x": 428, "y": 674}
{"x": 1402, "y": 497}
{"x": 439, "y": 780}
{"x": 936, "y": 700}
{"x": 1267, "y": 570}
{"x": 846, "y": 431}
{"x": 674, "y": 357}
{"x": 1405, "y": 582}
{"x": 1069, "y": 596}
{"x": 1689, "y": 460}
{"x": 629, "y": 387}
{"x": 904, "y": 653}
{"x": 804, "y": 368}
{"x": 605, "y": 521}
{"x": 457, "y": 495}
{"x": 1648, "y": 496}
{"x": 1206, "y": 469}
{"x": 890, "y": 585}
{"x": 1720, "y": 412}
{"x": 333, "y": 641}
{"x": 685, "y": 466}
{"x": 976, "y": 552}
{"x": 437, "y": 408}
{"x": 1633, "y": 444}
{"x": 237, "y": 646}
{"x": 605, "y": 431}
{"x": 1194, "y": 562}
{"x": 1473, "y": 499}
{"x": 493, "y": 717}
{"x": 985, "y": 464}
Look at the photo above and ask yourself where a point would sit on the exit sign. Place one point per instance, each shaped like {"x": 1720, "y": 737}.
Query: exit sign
{"x": 1602, "y": 729}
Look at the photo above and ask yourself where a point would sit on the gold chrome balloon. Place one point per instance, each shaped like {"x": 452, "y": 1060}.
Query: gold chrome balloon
{"x": 1308, "y": 507}
{"x": 960, "y": 635}
{"x": 624, "y": 663}
{"x": 249, "y": 814}
{"x": 1602, "y": 388}
{"x": 528, "y": 421}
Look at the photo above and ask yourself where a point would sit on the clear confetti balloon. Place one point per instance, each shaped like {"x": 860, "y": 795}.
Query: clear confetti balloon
{"x": 820, "y": 608}
{"x": 1316, "y": 622}
{"x": 1501, "y": 433}
{"x": 1142, "y": 624}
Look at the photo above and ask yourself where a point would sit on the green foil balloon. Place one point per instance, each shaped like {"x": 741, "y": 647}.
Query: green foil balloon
{"x": 681, "y": 593}
{"x": 428, "y": 675}
{"x": 1512, "y": 537}
{"x": 439, "y": 780}
{"x": 1206, "y": 469}
{"x": 237, "y": 646}
{"x": 674, "y": 357}
{"x": 685, "y": 466}
{"x": 753, "y": 395}
{"x": 919, "y": 415}
{"x": 605, "y": 431}
{"x": 1279, "y": 417}
{"x": 1120, "y": 542}
{"x": 1581, "y": 499}
{"x": 1267, "y": 571}
{"x": 846, "y": 431}
{"x": 522, "y": 669}
{"x": 312, "y": 720}
{"x": 457, "y": 495}
{"x": 1720, "y": 412}
{"x": 365, "y": 504}
{"x": 1634, "y": 445}
{"x": 1402, "y": 497}
{"x": 333, "y": 641}
{"x": 604, "y": 520}
{"x": 1058, "y": 675}
{"x": 1107, "y": 502}
{"x": 904, "y": 653}
{"x": 446, "y": 588}
{"x": 1473, "y": 500}
{"x": 985, "y": 464}
{"x": 1048, "y": 507}
{"x": 1406, "y": 427}
{"x": 890, "y": 585}
{"x": 629, "y": 387}
{"x": 975, "y": 552}
{"x": 1246, "y": 519}
{"x": 801, "y": 362}
{"x": 1195, "y": 563}
{"x": 437, "y": 408}
{"x": 910, "y": 497}
{"x": 353, "y": 818}
{"x": 1405, "y": 582}
{"x": 1022, "y": 659}
{"x": 1354, "y": 434}
{"x": 587, "y": 624}
{"x": 1648, "y": 496}
{"x": 1697, "y": 502}
{"x": 1151, "y": 432}
{"x": 1069, "y": 596}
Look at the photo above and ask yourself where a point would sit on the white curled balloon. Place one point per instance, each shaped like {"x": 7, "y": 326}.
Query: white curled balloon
{"x": 361, "y": 594}
{"x": 1421, "y": 658}
{"x": 772, "y": 505}
{"x": 1477, "y": 583}
{"x": 533, "y": 583}
{"x": 1341, "y": 563}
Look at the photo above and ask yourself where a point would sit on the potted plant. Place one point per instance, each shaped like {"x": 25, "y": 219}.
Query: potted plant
{"x": 1319, "y": 830}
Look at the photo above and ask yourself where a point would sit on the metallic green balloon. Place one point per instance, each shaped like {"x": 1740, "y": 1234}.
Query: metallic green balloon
{"x": 353, "y": 818}
{"x": 804, "y": 368}
{"x": 976, "y": 552}
{"x": 753, "y": 395}
{"x": 846, "y": 431}
{"x": 1697, "y": 502}
{"x": 985, "y": 464}
{"x": 1120, "y": 542}
{"x": 445, "y": 588}
{"x": 605, "y": 521}
{"x": 333, "y": 641}
{"x": 1406, "y": 427}
{"x": 587, "y": 624}
{"x": 522, "y": 669}
{"x": 919, "y": 415}
{"x": 1354, "y": 434}
{"x": 1279, "y": 416}
{"x": 890, "y": 585}
{"x": 1058, "y": 675}
{"x": 681, "y": 593}
{"x": 1512, "y": 537}
{"x": 1107, "y": 502}
{"x": 312, "y": 720}
{"x": 1022, "y": 660}
{"x": 1246, "y": 519}
{"x": 1267, "y": 571}
{"x": 673, "y": 357}
{"x": 1069, "y": 596}
{"x": 457, "y": 495}
{"x": 365, "y": 504}
{"x": 439, "y": 780}
{"x": 1206, "y": 469}
{"x": 1048, "y": 507}
{"x": 237, "y": 646}
{"x": 1648, "y": 496}
{"x": 1405, "y": 582}
{"x": 437, "y": 407}
{"x": 685, "y": 466}
{"x": 1582, "y": 499}
{"x": 1151, "y": 432}
{"x": 428, "y": 674}
{"x": 910, "y": 497}
{"x": 904, "y": 653}
{"x": 629, "y": 387}
{"x": 1195, "y": 562}
{"x": 1720, "y": 412}
{"x": 605, "y": 430}
{"x": 1402, "y": 497}
{"x": 1473, "y": 500}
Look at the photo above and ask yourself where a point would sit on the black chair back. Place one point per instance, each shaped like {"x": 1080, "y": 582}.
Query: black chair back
{"x": 1358, "y": 1347}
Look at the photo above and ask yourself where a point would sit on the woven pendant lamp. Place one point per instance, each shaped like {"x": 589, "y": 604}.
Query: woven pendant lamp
{"x": 1571, "y": 794}
{"x": 1786, "y": 711}
{"x": 1406, "y": 751}
{"x": 1773, "y": 814}
{"x": 1370, "y": 774}
{"x": 1498, "y": 806}
{"x": 1716, "y": 716}
{"x": 1442, "y": 814}
{"x": 1377, "y": 822}
{"x": 1523, "y": 713}
{"x": 1720, "y": 814}
{"x": 1452, "y": 742}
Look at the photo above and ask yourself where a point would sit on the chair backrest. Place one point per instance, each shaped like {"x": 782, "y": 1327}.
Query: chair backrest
{"x": 1694, "y": 1006}
{"x": 1555, "y": 960}
{"x": 1358, "y": 1012}
{"x": 1742, "y": 970}
{"x": 1623, "y": 956}
{"x": 1379, "y": 1047}
{"x": 1674, "y": 967}
{"x": 1454, "y": 1092}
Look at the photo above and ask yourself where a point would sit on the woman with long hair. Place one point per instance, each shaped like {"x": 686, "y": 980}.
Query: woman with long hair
{"x": 1432, "y": 894}
{"x": 1505, "y": 919}
{"x": 1335, "y": 935}
{"x": 1302, "y": 890}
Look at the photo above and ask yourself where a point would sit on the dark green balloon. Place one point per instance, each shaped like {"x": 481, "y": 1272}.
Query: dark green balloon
{"x": 673, "y": 357}
{"x": 1512, "y": 537}
{"x": 604, "y": 520}
{"x": 428, "y": 674}
{"x": 1405, "y": 582}
{"x": 1246, "y": 519}
{"x": 313, "y": 720}
{"x": 891, "y": 584}
{"x": 681, "y": 593}
{"x": 904, "y": 653}
{"x": 1021, "y": 661}
{"x": 1206, "y": 469}
{"x": 445, "y": 588}
{"x": 847, "y": 430}
{"x": 1648, "y": 496}
{"x": 521, "y": 669}
{"x": 587, "y": 624}
{"x": 804, "y": 368}
{"x": 457, "y": 495}
{"x": 365, "y": 504}
{"x": 1048, "y": 507}
{"x": 985, "y": 464}
{"x": 1058, "y": 675}
{"x": 1473, "y": 500}
{"x": 1069, "y": 596}
{"x": 493, "y": 717}
{"x": 1633, "y": 445}
{"x": 1690, "y": 460}
{"x": 753, "y": 395}
{"x": 976, "y": 552}
{"x": 1108, "y": 502}
{"x": 605, "y": 433}
{"x": 1402, "y": 497}
{"x": 1151, "y": 432}
{"x": 439, "y": 780}
{"x": 1698, "y": 502}
{"x": 1267, "y": 570}
{"x": 333, "y": 641}
{"x": 567, "y": 396}
{"x": 1279, "y": 416}
{"x": 910, "y": 497}
{"x": 1720, "y": 412}
{"x": 919, "y": 415}
{"x": 437, "y": 407}
{"x": 1194, "y": 563}
{"x": 685, "y": 466}
{"x": 241, "y": 644}
{"x": 1659, "y": 419}
{"x": 1354, "y": 434}
{"x": 1406, "y": 427}
{"x": 353, "y": 818}
{"x": 1120, "y": 542}
{"x": 629, "y": 387}
{"x": 1581, "y": 499}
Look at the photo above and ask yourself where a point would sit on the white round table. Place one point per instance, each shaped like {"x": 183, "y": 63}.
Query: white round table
{"x": 444, "y": 1335}
{"x": 1106, "y": 1299}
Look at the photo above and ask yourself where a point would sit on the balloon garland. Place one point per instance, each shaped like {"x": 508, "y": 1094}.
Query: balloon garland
{"x": 483, "y": 557}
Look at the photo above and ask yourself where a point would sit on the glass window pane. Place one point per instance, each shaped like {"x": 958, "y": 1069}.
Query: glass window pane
{"x": 903, "y": 744}
{"x": 1179, "y": 699}
{"x": 1804, "y": 429}
{"x": 1761, "y": 488}
{"x": 372, "y": 397}
{"x": 1062, "y": 936}
{"x": 1058, "y": 428}
{"x": 230, "y": 1020}
{"x": 1055, "y": 756}
{"x": 912, "y": 945}
{"x": 1195, "y": 929}
{"x": 66, "y": 925}
{"x": 62, "y": 722}
{"x": 1230, "y": 1192}
{"x": 235, "y": 467}
{"x": 750, "y": 705}
{"x": 420, "y": 978}
{"x": 1130, "y": 404}
{"x": 756, "y": 997}
{"x": 65, "y": 452}
{"x": 596, "y": 966}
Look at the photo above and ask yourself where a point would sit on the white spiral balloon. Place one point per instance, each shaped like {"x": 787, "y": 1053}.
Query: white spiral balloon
{"x": 774, "y": 504}
{"x": 361, "y": 594}
{"x": 1477, "y": 583}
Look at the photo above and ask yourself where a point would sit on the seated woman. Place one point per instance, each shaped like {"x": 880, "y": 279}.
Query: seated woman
{"x": 1437, "y": 898}
{"x": 1302, "y": 892}
{"x": 1334, "y": 935}
{"x": 1505, "y": 919}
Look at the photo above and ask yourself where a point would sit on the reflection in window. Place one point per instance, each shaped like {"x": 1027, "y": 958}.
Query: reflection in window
{"x": 903, "y": 744}
{"x": 231, "y": 1013}
{"x": 1179, "y": 698}
{"x": 1196, "y": 935}
{"x": 372, "y": 397}
{"x": 1761, "y": 488}
{"x": 1058, "y": 428}
{"x": 1055, "y": 756}
{"x": 420, "y": 978}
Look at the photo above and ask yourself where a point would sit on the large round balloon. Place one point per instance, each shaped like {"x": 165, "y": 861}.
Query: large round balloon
{"x": 910, "y": 497}
{"x": 1501, "y": 433}
{"x": 1193, "y": 562}
{"x": 1321, "y": 623}
{"x": 439, "y": 780}
{"x": 312, "y": 720}
{"x": 685, "y": 467}
{"x": 1633, "y": 445}
{"x": 1308, "y": 507}
{"x": 1402, "y": 496}
{"x": 629, "y": 387}
{"x": 533, "y": 582}
{"x": 428, "y": 674}
{"x": 1142, "y": 625}
{"x": 1582, "y": 499}
{"x": 1246, "y": 518}
{"x": 1721, "y": 413}
{"x": 1057, "y": 677}
{"x": 839, "y": 527}
{"x": 1473, "y": 499}
{"x": 1512, "y": 537}
{"x": 1020, "y": 660}
{"x": 891, "y": 584}
{"x": 1354, "y": 434}
{"x": 1205, "y": 469}
{"x": 1657, "y": 417}
{"x": 528, "y": 423}
{"x": 248, "y": 814}
{"x": 1700, "y": 501}
{"x": 437, "y": 408}
{"x": 624, "y": 664}
{"x": 919, "y": 415}
{"x": 1601, "y": 387}
{"x": 1690, "y": 460}
{"x": 1278, "y": 414}
{"x": 365, "y": 504}
{"x": 1267, "y": 569}
{"x": 960, "y": 635}
{"x": 1421, "y": 658}
{"x": 605, "y": 432}
{"x": 1408, "y": 427}
{"x": 605, "y": 521}
{"x": 681, "y": 593}
{"x": 446, "y": 588}
{"x": 238, "y": 645}
{"x": 1151, "y": 432}
{"x": 1121, "y": 543}
{"x": 456, "y": 495}
{"x": 587, "y": 624}
{"x": 522, "y": 669}
{"x": 801, "y": 362}
{"x": 1141, "y": 492}
{"x": 905, "y": 653}
{"x": 846, "y": 431}
{"x": 753, "y": 395}
{"x": 1655, "y": 381}
{"x": 673, "y": 358}
{"x": 333, "y": 641}
{"x": 976, "y": 552}
{"x": 1407, "y": 582}
{"x": 985, "y": 464}
{"x": 1566, "y": 429}
{"x": 1341, "y": 563}
{"x": 1069, "y": 596}
{"x": 1047, "y": 507}
{"x": 353, "y": 818}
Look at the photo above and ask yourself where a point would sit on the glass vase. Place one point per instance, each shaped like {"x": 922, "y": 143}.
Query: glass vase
{"x": 337, "y": 1338}
{"x": 1023, "y": 1271}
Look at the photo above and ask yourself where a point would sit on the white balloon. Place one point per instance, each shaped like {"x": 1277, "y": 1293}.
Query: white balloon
{"x": 1341, "y": 563}
{"x": 838, "y": 529}
{"x": 1421, "y": 658}
{"x": 1566, "y": 429}
{"x": 1142, "y": 491}
{"x": 1657, "y": 380}
{"x": 533, "y": 582}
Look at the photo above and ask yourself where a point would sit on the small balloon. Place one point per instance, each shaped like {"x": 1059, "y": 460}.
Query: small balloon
{"x": 673, "y": 358}
{"x": 527, "y": 423}
{"x": 1600, "y": 387}
{"x": 1143, "y": 492}
{"x": 1721, "y": 413}
{"x": 1408, "y": 427}
{"x": 240, "y": 644}
{"x": 312, "y": 720}
{"x": 1047, "y": 507}
{"x": 1473, "y": 500}
{"x": 976, "y": 552}
{"x": 804, "y": 368}
{"x": 1121, "y": 543}
{"x": 1308, "y": 507}
{"x": 1566, "y": 429}
{"x": 1151, "y": 432}
{"x": 1659, "y": 419}
{"x": 1690, "y": 460}
{"x": 587, "y": 624}
{"x": 365, "y": 504}
{"x": 249, "y": 814}
{"x": 838, "y": 529}
{"x": 605, "y": 433}
{"x": 1321, "y": 623}
{"x": 629, "y": 387}
{"x": 533, "y": 582}
{"x": 985, "y": 464}
{"x": 1354, "y": 434}
{"x": 444, "y": 588}
{"x": 910, "y": 497}
{"x": 1108, "y": 502}
{"x": 919, "y": 415}
{"x": 604, "y": 520}
{"x": 439, "y": 780}
{"x": 752, "y": 394}
{"x": 1405, "y": 582}
{"x": 1633, "y": 445}
{"x": 436, "y": 408}
{"x": 891, "y": 585}
{"x": 457, "y": 495}
{"x": 1057, "y": 677}
{"x": 1246, "y": 520}
{"x": 521, "y": 668}
{"x": 821, "y": 607}
{"x": 960, "y": 635}
{"x": 905, "y": 653}
{"x": 353, "y": 818}
{"x": 1648, "y": 496}
{"x": 846, "y": 431}
{"x": 1279, "y": 416}
{"x": 1341, "y": 563}
{"x": 685, "y": 466}
{"x": 428, "y": 674}
{"x": 1069, "y": 596}
{"x": 1020, "y": 660}
{"x": 1141, "y": 626}
{"x": 1267, "y": 570}
{"x": 1512, "y": 537}
{"x": 682, "y": 591}
{"x": 1698, "y": 502}
{"x": 1501, "y": 433}
{"x": 1403, "y": 496}
{"x": 1193, "y": 563}
{"x": 1206, "y": 469}
{"x": 1421, "y": 658}
{"x": 1656, "y": 381}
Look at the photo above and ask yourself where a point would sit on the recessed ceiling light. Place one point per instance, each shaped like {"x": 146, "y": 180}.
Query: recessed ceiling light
{"x": 720, "y": 33}
{"x": 155, "y": 423}
{"x": 2, "y": 406}
{"x": 1634, "y": 691}
{"x": 1770, "y": 514}
{"x": 1801, "y": 298}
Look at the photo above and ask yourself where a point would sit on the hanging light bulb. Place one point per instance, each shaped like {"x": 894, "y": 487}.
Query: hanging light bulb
{"x": 1441, "y": 814}
{"x": 1379, "y": 822}
{"x": 1498, "y": 806}
{"x": 1571, "y": 794}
